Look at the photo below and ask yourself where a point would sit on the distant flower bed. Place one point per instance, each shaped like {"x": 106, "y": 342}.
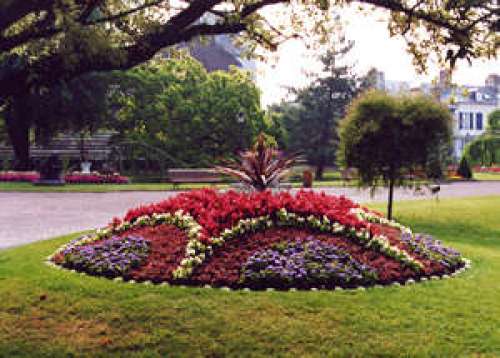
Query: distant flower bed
{"x": 73, "y": 178}
{"x": 258, "y": 241}
{"x": 487, "y": 169}
{"x": 19, "y": 177}
{"x": 95, "y": 178}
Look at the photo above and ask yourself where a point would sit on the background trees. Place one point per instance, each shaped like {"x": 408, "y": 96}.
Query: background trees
{"x": 3, "y": 132}
{"x": 311, "y": 120}
{"x": 485, "y": 150}
{"x": 46, "y": 42}
{"x": 494, "y": 121}
{"x": 387, "y": 138}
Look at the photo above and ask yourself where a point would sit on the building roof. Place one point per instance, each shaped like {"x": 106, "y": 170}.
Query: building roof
{"x": 213, "y": 56}
{"x": 485, "y": 95}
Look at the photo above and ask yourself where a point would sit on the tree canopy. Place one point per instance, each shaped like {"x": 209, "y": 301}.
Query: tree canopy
{"x": 44, "y": 41}
{"x": 388, "y": 138}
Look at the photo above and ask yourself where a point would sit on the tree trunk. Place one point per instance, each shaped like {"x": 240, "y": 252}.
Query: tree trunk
{"x": 18, "y": 129}
{"x": 391, "y": 195}
{"x": 320, "y": 168}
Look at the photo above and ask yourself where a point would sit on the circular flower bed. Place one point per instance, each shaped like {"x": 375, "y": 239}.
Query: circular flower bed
{"x": 258, "y": 241}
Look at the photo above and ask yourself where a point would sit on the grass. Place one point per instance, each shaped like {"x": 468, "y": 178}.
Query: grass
{"x": 487, "y": 176}
{"x": 103, "y": 188}
{"x": 47, "y": 312}
{"x": 100, "y": 188}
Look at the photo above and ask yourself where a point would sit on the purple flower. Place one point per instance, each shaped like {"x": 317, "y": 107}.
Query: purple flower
{"x": 112, "y": 257}
{"x": 304, "y": 264}
{"x": 432, "y": 249}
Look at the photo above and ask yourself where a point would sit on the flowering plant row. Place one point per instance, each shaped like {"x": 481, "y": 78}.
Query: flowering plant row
{"x": 333, "y": 240}
{"x": 426, "y": 246}
{"x": 12, "y": 176}
{"x": 493, "y": 169}
{"x": 422, "y": 245}
{"x": 95, "y": 178}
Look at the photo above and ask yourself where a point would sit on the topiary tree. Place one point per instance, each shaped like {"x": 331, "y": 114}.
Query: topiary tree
{"x": 464, "y": 169}
{"x": 389, "y": 138}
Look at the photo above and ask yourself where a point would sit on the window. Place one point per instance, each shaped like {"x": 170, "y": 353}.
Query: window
{"x": 479, "y": 121}
{"x": 460, "y": 120}
{"x": 471, "y": 120}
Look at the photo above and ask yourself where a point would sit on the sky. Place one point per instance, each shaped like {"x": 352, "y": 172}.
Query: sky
{"x": 373, "y": 48}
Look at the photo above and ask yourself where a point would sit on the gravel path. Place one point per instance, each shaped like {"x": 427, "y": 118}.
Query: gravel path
{"x": 29, "y": 217}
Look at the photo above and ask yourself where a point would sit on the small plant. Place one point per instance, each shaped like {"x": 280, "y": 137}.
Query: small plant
{"x": 260, "y": 168}
{"x": 307, "y": 179}
{"x": 5, "y": 164}
{"x": 464, "y": 169}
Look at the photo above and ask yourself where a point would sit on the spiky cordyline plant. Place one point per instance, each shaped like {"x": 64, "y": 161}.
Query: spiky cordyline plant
{"x": 261, "y": 167}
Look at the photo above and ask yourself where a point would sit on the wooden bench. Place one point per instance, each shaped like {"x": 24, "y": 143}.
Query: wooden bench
{"x": 198, "y": 175}
{"x": 348, "y": 174}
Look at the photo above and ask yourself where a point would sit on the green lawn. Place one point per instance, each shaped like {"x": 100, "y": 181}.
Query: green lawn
{"x": 47, "y": 312}
{"x": 102, "y": 188}
{"x": 487, "y": 176}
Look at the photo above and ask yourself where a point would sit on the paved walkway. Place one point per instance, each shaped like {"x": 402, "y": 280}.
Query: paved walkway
{"x": 28, "y": 217}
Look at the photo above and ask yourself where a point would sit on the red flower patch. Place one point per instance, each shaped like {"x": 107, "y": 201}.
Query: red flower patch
{"x": 168, "y": 247}
{"x": 218, "y": 211}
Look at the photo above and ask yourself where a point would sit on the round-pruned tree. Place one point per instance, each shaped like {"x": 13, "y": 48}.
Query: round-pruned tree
{"x": 387, "y": 139}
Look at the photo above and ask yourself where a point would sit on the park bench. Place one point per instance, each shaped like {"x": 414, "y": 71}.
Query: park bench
{"x": 198, "y": 175}
{"x": 348, "y": 174}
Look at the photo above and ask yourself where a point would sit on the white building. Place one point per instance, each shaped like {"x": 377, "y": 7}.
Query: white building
{"x": 470, "y": 107}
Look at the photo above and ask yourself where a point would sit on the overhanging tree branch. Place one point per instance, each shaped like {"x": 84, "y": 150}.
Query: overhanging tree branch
{"x": 180, "y": 27}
